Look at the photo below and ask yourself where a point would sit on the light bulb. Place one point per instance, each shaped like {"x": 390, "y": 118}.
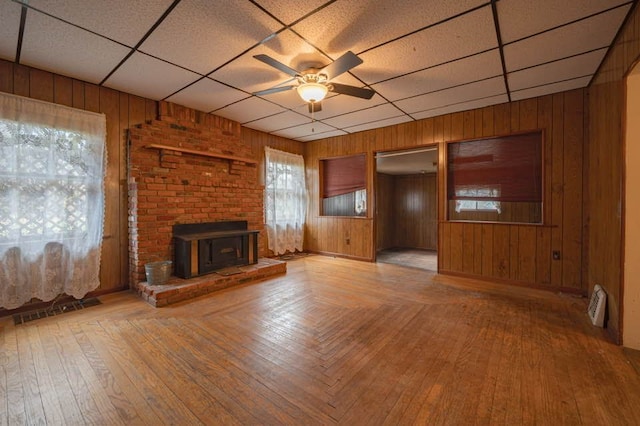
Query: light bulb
{"x": 312, "y": 92}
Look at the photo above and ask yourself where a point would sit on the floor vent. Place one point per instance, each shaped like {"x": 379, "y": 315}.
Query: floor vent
{"x": 597, "y": 306}
{"x": 52, "y": 311}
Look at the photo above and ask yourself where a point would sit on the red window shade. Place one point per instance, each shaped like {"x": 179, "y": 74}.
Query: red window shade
{"x": 343, "y": 175}
{"x": 501, "y": 169}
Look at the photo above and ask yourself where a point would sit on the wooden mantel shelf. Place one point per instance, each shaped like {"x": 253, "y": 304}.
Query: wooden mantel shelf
{"x": 201, "y": 153}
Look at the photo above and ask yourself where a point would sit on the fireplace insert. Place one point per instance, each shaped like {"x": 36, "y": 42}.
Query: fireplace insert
{"x": 203, "y": 248}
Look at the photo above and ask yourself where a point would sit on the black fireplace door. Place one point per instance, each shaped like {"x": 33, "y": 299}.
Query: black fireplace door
{"x": 218, "y": 253}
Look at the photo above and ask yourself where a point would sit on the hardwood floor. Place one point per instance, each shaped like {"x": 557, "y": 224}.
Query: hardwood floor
{"x": 334, "y": 341}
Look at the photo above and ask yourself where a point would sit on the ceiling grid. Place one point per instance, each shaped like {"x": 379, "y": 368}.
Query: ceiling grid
{"x": 420, "y": 61}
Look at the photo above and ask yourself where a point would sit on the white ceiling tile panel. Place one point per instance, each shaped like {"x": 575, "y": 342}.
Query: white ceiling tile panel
{"x": 124, "y": 21}
{"x": 463, "y": 106}
{"x": 316, "y": 136}
{"x": 10, "y": 13}
{"x": 369, "y": 115}
{"x": 469, "y": 34}
{"x": 380, "y": 123}
{"x": 577, "y": 66}
{"x": 289, "y": 11}
{"x": 522, "y": 18}
{"x": 592, "y": 33}
{"x": 476, "y": 67}
{"x": 52, "y": 45}
{"x": 201, "y": 35}
{"x": 249, "y": 109}
{"x": 278, "y": 122}
{"x": 304, "y": 130}
{"x": 468, "y": 92}
{"x": 151, "y": 78}
{"x": 342, "y": 104}
{"x": 358, "y": 25}
{"x": 207, "y": 95}
{"x": 550, "y": 88}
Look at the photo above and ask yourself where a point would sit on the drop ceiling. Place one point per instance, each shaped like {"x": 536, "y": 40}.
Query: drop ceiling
{"x": 422, "y": 58}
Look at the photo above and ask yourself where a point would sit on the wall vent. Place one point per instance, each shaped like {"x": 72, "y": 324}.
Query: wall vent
{"x": 597, "y": 306}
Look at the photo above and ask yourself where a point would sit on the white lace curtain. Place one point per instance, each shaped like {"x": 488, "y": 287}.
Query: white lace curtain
{"x": 51, "y": 200}
{"x": 285, "y": 200}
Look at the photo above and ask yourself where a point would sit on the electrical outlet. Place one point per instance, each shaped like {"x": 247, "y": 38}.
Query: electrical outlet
{"x": 556, "y": 255}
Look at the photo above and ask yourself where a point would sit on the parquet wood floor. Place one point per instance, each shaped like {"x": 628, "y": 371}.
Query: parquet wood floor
{"x": 334, "y": 341}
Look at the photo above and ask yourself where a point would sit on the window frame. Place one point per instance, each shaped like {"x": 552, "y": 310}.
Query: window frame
{"x": 321, "y": 188}
{"x": 543, "y": 181}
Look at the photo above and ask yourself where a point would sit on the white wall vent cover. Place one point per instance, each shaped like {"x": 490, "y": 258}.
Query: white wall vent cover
{"x": 597, "y": 306}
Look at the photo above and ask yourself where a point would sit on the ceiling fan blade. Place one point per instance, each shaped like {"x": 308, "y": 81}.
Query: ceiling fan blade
{"x": 277, "y": 65}
{"x": 358, "y": 92}
{"x": 315, "y": 107}
{"x": 341, "y": 65}
{"x": 273, "y": 90}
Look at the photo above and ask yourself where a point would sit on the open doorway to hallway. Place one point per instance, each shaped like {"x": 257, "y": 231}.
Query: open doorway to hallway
{"x": 406, "y": 207}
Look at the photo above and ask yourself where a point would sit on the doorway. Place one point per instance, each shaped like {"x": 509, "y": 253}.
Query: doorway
{"x": 406, "y": 207}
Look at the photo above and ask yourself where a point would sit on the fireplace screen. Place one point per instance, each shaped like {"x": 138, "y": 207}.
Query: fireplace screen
{"x": 203, "y": 248}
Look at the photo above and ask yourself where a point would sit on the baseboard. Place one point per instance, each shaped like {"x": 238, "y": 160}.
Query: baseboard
{"x": 536, "y": 286}
{"x": 343, "y": 256}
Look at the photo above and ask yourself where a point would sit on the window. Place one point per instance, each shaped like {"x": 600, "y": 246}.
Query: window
{"x": 285, "y": 201}
{"x": 344, "y": 186}
{"x": 496, "y": 179}
{"x": 470, "y": 205}
{"x": 51, "y": 200}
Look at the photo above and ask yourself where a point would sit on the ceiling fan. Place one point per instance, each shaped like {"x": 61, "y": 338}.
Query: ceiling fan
{"x": 313, "y": 84}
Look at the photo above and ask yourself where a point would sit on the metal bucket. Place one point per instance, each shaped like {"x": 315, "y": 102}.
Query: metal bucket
{"x": 158, "y": 272}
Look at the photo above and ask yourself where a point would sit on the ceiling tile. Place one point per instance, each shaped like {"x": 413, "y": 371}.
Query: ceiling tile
{"x": 124, "y": 21}
{"x": 249, "y": 109}
{"x": 9, "y": 29}
{"x": 289, "y": 11}
{"x": 469, "y": 34}
{"x": 522, "y": 18}
{"x": 380, "y": 123}
{"x": 207, "y": 95}
{"x": 476, "y": 67}
{"x": 577, "y": 66}
{"x": 52, "y": 45}
{"x": 369, "y": 115}
{"x": 316, "y": 136}
{"x": 418, "y": 161}
{"x": 341, "y": 104}
{"x": 462, "y": 106}
{"x": 358, "y": 25}
{"x": 592, "y": 33}
{"x": 278, "y": 122}
{"x": 465, "y": 93}
{"x": 304, "y": 130}
{"x": 151, "y": 78}
{"x": 201, "y": 35}
{"x": 550, "y": 88}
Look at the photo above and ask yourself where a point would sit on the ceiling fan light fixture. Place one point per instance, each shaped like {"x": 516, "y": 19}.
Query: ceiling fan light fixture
{"x": 312, "y": 92}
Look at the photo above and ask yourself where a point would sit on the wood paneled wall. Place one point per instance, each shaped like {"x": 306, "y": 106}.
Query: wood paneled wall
{"x": 384, "y": 211}
{"x": 407, "y": 211}
{"x": 122, "y": 111}
{"x": 514, "y": 253}
{"x": 605, "y": 159}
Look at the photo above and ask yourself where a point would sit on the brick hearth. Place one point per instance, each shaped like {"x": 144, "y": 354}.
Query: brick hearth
{"x": 178, "y": 290}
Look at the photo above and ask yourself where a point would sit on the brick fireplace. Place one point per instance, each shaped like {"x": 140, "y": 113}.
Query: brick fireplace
{"x": 187, "y": 167}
